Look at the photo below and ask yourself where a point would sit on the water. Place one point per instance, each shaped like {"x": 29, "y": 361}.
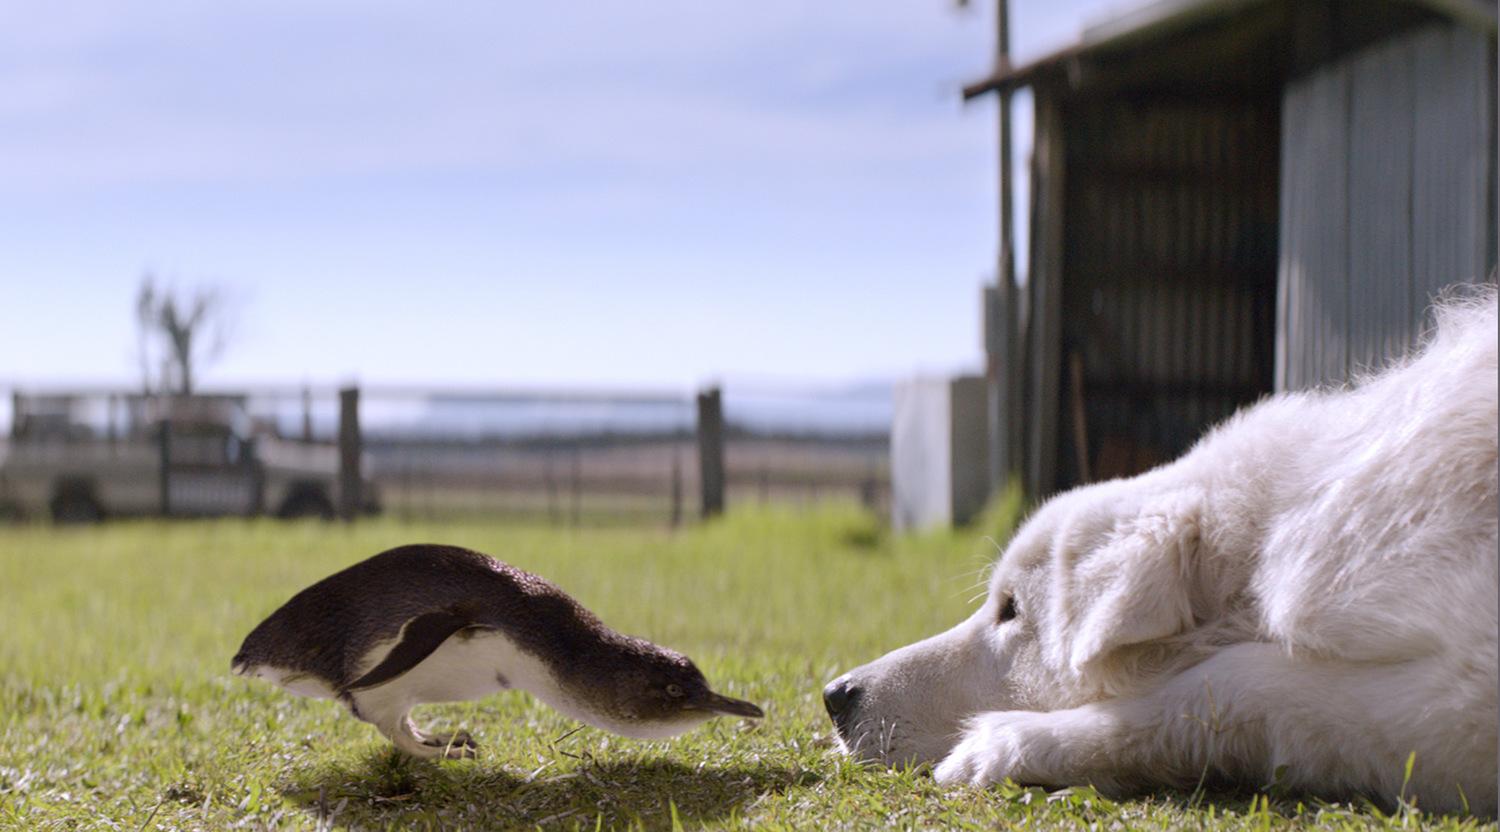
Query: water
{"x": 860, "y": 411}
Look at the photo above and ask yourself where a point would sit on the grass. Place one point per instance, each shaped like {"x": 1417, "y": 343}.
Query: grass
{"x": 117, "y": 710}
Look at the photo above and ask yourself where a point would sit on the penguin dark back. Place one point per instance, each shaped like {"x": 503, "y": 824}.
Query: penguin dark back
{"x": 432, "y": 623}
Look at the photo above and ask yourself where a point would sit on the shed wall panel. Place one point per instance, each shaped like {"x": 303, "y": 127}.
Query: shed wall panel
{"x": 1315, "y": 257}
{"x": 1450, "y": 217}
{"x": 1381, "y": 109}
{"x": 1386, "y": 199}
{"x": 1043, "y": 334}
{"x": 1169, "y": 276}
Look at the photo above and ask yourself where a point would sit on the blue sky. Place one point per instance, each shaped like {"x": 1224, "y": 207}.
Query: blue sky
{"x": 618, "y": 194}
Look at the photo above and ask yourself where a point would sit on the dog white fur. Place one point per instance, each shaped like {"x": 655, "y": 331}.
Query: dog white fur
{"x": 1308, "y": 596}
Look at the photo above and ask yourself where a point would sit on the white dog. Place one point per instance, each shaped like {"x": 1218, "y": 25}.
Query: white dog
{"x": 1308, "y": 596}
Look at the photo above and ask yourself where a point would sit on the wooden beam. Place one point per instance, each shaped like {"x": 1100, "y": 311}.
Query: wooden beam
{"x": 711, "y": 451}
{"x": 350, "y": 451}
{"x": 1079, "y": 415}
{"x": 1000, "y": 303}
{"x": 1045, "y": 284}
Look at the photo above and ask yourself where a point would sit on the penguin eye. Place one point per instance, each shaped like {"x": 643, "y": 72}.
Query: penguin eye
{"x": 674, "y": 690}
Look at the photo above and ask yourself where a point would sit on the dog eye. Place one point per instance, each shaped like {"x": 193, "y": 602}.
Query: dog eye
{"x": 674, "y": 691}
{"x": 1008, "y": 611}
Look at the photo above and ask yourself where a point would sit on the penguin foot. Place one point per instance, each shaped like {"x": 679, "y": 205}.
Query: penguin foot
{"x": 456, "y": 746}
{"x": 399, "y": 729}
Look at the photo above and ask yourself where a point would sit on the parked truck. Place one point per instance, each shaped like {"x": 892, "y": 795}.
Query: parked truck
{"x": 170, "y": 456}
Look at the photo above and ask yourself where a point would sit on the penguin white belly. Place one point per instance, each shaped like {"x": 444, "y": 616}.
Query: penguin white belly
{"x": 301, "y": 684}
{"x": 468, "y": 665}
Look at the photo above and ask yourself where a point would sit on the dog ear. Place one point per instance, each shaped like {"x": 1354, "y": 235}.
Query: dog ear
{"x": 1141, "y": 580}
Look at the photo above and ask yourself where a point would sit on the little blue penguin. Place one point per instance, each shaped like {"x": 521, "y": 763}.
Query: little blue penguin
{"x": 430, "y": 623}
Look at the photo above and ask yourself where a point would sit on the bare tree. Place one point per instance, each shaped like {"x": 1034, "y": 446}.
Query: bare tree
{"x": 180, "y": 332}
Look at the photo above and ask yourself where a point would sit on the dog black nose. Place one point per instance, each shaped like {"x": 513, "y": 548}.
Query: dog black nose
{"x": 839, "y": 697}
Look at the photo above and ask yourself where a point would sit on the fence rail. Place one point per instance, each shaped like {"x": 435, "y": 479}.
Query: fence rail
{"x": 567, "y": 459}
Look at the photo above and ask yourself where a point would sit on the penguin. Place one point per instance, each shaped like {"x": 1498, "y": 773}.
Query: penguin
{"x": 431, "y": 623}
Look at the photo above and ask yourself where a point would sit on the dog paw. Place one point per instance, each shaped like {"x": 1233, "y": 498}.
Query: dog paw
{"x": 990, "y": 751}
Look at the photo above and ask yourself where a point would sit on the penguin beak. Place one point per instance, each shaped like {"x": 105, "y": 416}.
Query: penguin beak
{"x": 720, "y": 704}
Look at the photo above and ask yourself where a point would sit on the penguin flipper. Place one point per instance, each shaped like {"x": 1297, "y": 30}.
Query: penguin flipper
{"x": 419, "y": 638}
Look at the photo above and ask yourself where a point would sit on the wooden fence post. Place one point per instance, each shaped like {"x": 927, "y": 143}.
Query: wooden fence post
{"x": 307, "y": 427}
{"x": 164, "y": 460}
{"x": 676, "y": 489}
{"x": 552, "y": 511}
{"x": 869, "y": 492}
{"x": 711, "y": 451}
{"x": 577, "y": 485}
{"x": 351, "y": 447}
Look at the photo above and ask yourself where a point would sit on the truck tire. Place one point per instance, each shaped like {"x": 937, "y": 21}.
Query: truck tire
{"x": 75, "y": 505}
{"x": 306, "y": 502}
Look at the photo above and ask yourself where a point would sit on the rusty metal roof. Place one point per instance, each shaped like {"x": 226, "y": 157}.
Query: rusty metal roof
{"x": 1165, "y": 22}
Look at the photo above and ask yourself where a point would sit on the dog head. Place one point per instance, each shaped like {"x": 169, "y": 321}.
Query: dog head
{"x": 1086, "y": 601}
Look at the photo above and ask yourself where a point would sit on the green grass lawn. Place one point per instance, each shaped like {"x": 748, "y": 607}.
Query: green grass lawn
{"x": 117, "y": 709}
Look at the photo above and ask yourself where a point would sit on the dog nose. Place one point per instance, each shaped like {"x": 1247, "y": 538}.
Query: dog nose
{"x": 839, "y": 697}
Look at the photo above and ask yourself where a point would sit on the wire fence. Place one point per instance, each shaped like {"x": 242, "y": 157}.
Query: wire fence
{"x": 565, "y": 458}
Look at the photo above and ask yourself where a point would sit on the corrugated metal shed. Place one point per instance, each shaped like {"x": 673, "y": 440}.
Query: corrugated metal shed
{"x": 1237, "y": 196}
{"x": 1387, "y": 193}
{"x": 1170, "y": 263}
